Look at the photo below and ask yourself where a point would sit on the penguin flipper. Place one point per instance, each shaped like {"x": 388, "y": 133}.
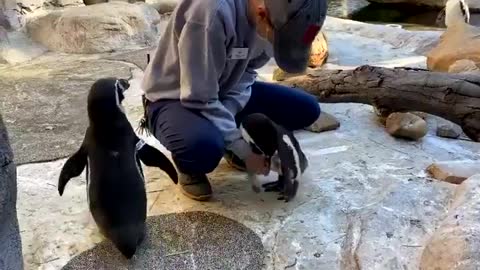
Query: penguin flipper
{"x": 73, "y": 167}
{"x": 152, "y": 157}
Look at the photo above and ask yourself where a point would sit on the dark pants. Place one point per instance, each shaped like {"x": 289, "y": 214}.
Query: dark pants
{"x": 197, "y": 146}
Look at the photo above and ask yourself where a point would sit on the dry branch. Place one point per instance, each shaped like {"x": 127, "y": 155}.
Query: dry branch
{"x": 455, "y": 97}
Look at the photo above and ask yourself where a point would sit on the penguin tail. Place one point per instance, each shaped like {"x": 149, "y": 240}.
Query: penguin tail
{"x": 127, "y": 239}
{"x": 73, "y": 167}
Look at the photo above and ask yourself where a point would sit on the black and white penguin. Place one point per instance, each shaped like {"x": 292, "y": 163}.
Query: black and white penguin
{"x": 282, "y": 151}
{"x": 455, "y": 12}
{"x": 111, "y": 152}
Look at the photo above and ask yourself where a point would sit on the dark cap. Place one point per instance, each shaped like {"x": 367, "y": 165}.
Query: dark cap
{"x": 296, "y": 23}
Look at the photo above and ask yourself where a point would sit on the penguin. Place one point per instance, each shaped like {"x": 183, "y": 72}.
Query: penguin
{"x": 454, "y": 12}
{"x": 112, "y": 154}
{"x": 282, "y": 151}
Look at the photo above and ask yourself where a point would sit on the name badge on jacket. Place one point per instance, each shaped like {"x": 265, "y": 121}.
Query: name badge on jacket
{"x": 239, "y": 53}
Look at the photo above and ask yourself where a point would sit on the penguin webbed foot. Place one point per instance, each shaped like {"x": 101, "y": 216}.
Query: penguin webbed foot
{"x": 275, "y": 186}
{"x": 287, "y": 191}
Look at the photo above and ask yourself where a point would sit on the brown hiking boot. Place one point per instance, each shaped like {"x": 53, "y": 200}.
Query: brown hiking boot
{"x": 196, "y": 187}
{"x": 234, "y": 161}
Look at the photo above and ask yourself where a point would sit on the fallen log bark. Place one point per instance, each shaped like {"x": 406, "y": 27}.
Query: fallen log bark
{"x": 455, "y": 97}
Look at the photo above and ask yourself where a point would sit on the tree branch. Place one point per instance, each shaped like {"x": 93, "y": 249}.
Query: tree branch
{"x": 455, "y": 97}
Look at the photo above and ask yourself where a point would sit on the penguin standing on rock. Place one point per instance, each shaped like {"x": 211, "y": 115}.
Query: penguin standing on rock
{"x": 282, "y": 150}
{"x": 111, "y": 153}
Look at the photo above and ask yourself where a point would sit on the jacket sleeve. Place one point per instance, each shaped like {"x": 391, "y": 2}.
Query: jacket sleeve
{"x": 238, "y": 96}
{"x": 202, "y": 59}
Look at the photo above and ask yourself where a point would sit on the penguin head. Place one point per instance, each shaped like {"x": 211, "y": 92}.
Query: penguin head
{"x": 105, "y": 98}
{"x": 261, "y": 134}
{"x": 456, "y": 11}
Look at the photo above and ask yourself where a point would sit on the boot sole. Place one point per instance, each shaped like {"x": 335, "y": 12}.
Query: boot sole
{"x": 194, "y": 197}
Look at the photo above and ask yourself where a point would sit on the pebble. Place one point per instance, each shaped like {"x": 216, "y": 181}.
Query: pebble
{"x": 325, "y": 122}
{"x": 448, "y": 130}
{"x": 406, "y": 125}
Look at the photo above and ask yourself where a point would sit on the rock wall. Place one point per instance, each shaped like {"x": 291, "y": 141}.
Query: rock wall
{"x": 10, "y": 241}
{"x": 456, "y": 244}
{"x": 97, "y": 28}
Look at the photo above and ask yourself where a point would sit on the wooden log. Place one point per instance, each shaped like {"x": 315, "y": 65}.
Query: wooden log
{"x": 454, "y": 97}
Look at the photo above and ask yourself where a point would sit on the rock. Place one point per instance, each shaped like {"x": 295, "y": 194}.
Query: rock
{"x": 319, "y": 51}
{"x": 98, "y": 28}
{"x": 33, "y": 5}
{"x": 361, "y": 188}
{"x": 93, "y": 2}
{"x": 280, "y": 75}
{"x": 458, "y": 42}
{"x": 66, "y": 3}
{"x": 454, "y": 172}
{"x": 137, "y": 57}
{"x": 325, "y": 122}
{"x": 422, "y": 115}
{"x": 163, "y": 6}
{"x": 18, "y": 48}
{"x": 8, "y": 15}
{"x": 406, "y": 125}
{"x": 473, "y": 4}
{"x": 463, "y": 66}
{"x": 189, "y": 240}
{"x": 382, "y": 113}
{"x": 449, "y": 130}
{"x": 10, "y": 241}
{"x": 349, "y": 40}
{"x": 4, "y": 26}
{"x": 58, "y": 87}
{"x": 455, "y": 245}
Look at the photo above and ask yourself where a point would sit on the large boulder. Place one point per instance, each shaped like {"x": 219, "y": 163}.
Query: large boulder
{"x": 97, "y": 28}
{"x": 456, "y": 244}
{"x": 10, "y": 242}
{"x": 458, "y": 42}
{"x": 37, "y": 4}
{"x": 163, "y": 6}
{"x": 406, "y": 125}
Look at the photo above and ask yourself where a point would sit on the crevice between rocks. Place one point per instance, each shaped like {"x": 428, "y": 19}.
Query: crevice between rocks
{"x": 351, "y": 243}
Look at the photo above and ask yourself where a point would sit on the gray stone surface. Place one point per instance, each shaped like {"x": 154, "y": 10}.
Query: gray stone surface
{"x": 163, "y": 6}
{"x": 406, "y": 125}
{"x": 326, "y": 122}
{"x": 446, "y": 129}
{"x": 136, "y": 57}
{"x": 10, "y": 242}
{"x": 190, "y": 240}
{"x": 456, "y": 243}
{"x": 44, "y": 104}
{"x": 99, "y": 28}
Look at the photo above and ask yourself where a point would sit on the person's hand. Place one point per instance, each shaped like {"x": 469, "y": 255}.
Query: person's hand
{"x": 257, "y": 164}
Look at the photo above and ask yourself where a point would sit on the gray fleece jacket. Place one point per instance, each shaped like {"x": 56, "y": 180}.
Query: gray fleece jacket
{"x": 207, "y": 59}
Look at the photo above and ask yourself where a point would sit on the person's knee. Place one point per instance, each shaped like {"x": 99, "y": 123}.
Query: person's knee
{"x": 308, "y": 111}
{"x": 312, "y": 111}
{"x": 201, "y": 153}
